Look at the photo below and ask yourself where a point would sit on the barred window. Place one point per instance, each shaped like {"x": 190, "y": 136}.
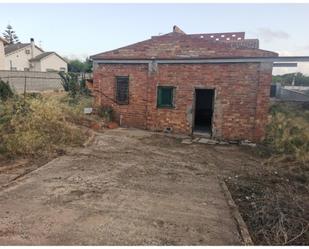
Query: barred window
{"x": 122, "y": 90}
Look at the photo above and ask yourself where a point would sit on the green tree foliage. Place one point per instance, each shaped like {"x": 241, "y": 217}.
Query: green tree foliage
{"x": 73, "y": 85}
{"x": 5, "y": 91}
{"x": 287, "y": 79}
{"x": 10, "y": 35}
{"x": 79, "y": 66}
{"x": 70, "y": 83}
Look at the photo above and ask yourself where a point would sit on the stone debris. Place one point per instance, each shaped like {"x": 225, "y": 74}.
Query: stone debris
{"x": 186, "y": 141}
{"x": 223, "y": 143}
{"x": 248, "y": 143}
{"x": 204, "y": 140}
{"x": 207, "y": 141}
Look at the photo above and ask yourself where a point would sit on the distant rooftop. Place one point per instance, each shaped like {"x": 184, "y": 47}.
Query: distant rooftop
{"x": 13, "y": 47}
{"x": 41, "y": 56}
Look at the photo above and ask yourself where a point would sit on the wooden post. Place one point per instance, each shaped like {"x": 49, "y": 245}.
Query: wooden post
{"x": 25, "y": 87}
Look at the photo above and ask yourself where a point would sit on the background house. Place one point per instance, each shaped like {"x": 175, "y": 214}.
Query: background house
{"x": 2, "y": 57}
{"x": 48, "y": 62}
{"x": 29, "y": 57}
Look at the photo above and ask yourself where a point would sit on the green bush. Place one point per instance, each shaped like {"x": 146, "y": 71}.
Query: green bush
{"x": 84, "y": 89}
{"x": 5, "y": 91}
{"x": 73, "y": 85}
{"x": 69, "y": 82}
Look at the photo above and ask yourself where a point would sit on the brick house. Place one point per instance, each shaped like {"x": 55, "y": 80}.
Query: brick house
{"x": 216, "y": 84}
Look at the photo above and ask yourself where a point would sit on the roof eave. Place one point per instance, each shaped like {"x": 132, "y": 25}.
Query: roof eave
{"x": 207, "y": 60}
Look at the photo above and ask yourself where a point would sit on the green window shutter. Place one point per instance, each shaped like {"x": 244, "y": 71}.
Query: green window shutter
{"x": 165, "y": 97}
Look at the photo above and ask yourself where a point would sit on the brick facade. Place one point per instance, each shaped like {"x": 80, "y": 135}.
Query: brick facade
{"x": 241, "y": 89}
{"x": 240, "y": 106}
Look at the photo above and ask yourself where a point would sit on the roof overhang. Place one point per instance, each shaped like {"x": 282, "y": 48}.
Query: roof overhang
{"x": 280, "y": 59}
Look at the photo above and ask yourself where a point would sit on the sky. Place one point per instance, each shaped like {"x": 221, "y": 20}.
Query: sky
{"x": 81, "y": 30}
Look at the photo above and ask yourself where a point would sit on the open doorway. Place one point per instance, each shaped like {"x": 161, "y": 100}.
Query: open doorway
{"x": 204, "y": 106}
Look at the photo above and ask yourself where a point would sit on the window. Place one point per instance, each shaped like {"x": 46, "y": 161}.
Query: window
{"x": 62, "y": 69}
{"x": 27, "y": 51}
{"x": 13, "y": 68}
{"x": 122, "y": 90}
{"x": 165, "y": 97}
{"x": 26, "y": 69}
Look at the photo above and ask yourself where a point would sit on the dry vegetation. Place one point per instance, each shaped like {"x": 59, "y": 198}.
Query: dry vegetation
{"x": 40, "y": 125}
{"x": 273, "y": 198}
{"x": 288, "y": 131}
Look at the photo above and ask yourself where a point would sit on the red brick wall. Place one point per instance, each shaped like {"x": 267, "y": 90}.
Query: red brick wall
{"x": 238, "y": 89}
{"x": 133, "y": 114}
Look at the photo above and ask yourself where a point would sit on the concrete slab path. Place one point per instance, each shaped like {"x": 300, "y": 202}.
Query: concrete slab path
{"x": 130, "y": 187}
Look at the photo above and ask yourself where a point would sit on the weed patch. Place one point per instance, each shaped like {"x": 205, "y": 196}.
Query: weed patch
{"x": 288, "y": 132}
{"x": 273, "y": 198}
{"x": 38, "y": 125}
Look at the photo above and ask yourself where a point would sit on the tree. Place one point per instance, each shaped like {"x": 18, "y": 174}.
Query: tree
{"x": 88, "y": 65}
{"x": 79, "y": 66}
{"x": 287, "y": 79}
{"x": 70, "y": 83}
{"x": 10, "y": 35}
{"x": 73, "y": 85}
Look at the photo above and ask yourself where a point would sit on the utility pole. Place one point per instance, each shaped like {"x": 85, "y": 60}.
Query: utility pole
{"x": 293, "y": 82}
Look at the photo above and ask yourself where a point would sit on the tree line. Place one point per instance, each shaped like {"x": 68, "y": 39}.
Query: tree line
{"x": 287, "y": 79}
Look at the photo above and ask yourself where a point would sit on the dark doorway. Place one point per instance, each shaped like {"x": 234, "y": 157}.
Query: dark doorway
{"x": 204, "y": 105}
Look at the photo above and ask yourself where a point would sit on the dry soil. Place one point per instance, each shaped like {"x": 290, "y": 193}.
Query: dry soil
{"x": 129, "y": 187}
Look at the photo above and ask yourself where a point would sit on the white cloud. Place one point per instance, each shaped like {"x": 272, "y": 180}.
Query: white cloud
{"x": 76, "y": 56}
{"x": 269, "y": 35}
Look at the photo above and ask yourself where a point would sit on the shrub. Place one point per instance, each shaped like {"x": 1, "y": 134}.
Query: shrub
{"x": 105, "y": 112}
{"x": 73, "y": 85}
{"x": 84, "y": 89}
{"x": 36, "y": 126}
{"x": 5, "y": 91}
{"x": 288, "y": 132}
{"x": 69, "y": 82}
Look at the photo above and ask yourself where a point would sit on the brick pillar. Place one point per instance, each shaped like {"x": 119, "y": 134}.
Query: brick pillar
{"x": 262, "y": 100}
{"x": 151, "y": 83}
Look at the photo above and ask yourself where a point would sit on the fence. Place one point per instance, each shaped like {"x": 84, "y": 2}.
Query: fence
{"x": 32, "y": 81}
{"x": 289, "y": 93}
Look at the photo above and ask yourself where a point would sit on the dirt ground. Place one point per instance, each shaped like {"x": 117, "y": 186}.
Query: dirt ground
{"x": 129, "y": 187}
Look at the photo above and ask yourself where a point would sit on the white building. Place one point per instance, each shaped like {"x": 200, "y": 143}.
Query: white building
{"x": 29, "y": 57}
{"x": 48, "y": 62}
{"x": 2, "y": 56}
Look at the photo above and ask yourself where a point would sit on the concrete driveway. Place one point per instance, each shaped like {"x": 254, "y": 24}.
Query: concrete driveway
{"x": 129, "y": 187}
